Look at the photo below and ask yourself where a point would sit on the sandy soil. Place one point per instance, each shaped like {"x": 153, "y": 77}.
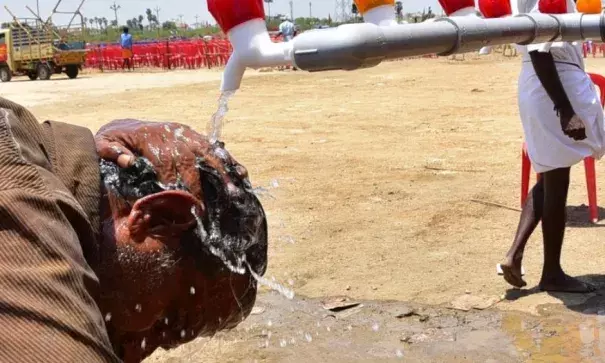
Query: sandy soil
{"x": 377, "y": 177}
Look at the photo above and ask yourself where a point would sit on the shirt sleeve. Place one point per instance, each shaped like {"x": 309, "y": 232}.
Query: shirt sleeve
{"x": 47, "y": 307}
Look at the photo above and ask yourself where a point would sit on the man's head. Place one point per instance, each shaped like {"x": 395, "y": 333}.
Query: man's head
{"x": 125, "y": 30}
{"x": 180, "y": 235}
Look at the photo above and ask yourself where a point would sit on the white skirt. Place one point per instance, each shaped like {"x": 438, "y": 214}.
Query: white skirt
{"x": 548, "y": 148}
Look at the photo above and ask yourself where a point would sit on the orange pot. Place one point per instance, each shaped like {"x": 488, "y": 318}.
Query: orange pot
{"x": 589, "y": 6}
{"x": 364, "y": 5}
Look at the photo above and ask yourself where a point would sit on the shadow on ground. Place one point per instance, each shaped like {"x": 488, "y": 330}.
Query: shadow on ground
{"x": 579, "y": 217}
{"x": 588, "y": 304}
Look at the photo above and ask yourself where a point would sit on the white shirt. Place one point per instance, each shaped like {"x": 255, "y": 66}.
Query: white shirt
{"x": 564, "y": 52}
{"x": 286, "y": 28}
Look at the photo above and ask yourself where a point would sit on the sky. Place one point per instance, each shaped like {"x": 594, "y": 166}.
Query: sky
{"x": 171, "y": 9}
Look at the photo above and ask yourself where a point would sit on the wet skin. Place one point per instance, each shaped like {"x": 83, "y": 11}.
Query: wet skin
{"x": 161, "y": 286}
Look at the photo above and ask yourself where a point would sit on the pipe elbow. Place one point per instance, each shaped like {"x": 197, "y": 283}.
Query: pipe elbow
{"x": 252, "y": 48}
{"x": 381, "y": 15}
{"x": 233, "y": 74}
{"x": 266, "y": 54}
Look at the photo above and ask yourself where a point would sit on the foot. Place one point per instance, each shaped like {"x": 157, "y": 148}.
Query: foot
{"x": 561, "y": 282}
{"x": 511, "y": 271}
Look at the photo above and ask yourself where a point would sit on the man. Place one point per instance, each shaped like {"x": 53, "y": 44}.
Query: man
{"x": 106, "y": 261}
{"x": 286, "y": 30}
{"x": 563, "y": 124}
{"x": 126, "y": 44}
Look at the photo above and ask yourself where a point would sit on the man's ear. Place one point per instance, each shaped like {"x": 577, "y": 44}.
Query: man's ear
{"x": 164, "y": 214}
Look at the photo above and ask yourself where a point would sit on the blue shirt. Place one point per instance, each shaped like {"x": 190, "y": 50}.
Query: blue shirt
{"x": 126, "y": 41}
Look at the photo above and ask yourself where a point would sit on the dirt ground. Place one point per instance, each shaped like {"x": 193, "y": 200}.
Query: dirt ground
{"x": 399, "y": 182}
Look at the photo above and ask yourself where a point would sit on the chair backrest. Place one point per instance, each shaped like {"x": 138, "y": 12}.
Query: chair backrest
{"x": 599, "y": 81}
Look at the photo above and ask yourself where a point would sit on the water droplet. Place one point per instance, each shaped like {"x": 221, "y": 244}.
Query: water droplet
{"x": 143, "y": 344}
{"x": 349, "y": 328}
{"x": 283, "y": 343}
{"x": 327, "y": 328}
{"x": 399, "y": 353}
{"x": 266, "y": 344}
{"x": 108, "y": 317}
{"x": 308, "y": 337}
{"x": 138, "y": 308}
{"x": 269, "y": 334}
{"x": 166, "y": 321}
{"x": 318, "y": 324}
{"x": 183, "y": 332}
{"x": 375, "y": 327}
{"x": 192, "y": 290}
{"x": 163, "y": 334}
{"x": 274, "y": 183}
{"x": 289, "y": 239}
{"x": 269, "y": 323}
{"x": 292, "y": 341}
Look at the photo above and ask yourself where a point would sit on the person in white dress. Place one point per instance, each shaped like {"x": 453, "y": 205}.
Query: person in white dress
{"x": 563, "y": 123}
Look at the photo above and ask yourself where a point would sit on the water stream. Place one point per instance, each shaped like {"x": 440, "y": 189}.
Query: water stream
{"x": 214, "y": 129}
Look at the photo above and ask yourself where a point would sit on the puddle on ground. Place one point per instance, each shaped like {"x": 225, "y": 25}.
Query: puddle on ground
{"x": 283, "y": 330}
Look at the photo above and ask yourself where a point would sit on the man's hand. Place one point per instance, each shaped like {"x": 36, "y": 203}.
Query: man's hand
{"x": 572, "y": 125}
{"x": 172, "y": 148}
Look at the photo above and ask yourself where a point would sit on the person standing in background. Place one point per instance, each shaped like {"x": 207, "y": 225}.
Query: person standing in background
{"x": 563, "y": 124}
{"x": 126, "y": 43}
{"x": 287, "y": 30}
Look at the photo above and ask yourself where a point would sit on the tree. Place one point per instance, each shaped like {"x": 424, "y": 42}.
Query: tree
{"x": 92, "y": 22}
{"x": 152, "y": 19}
{"x": 169, "y": 25}
{"x": 114, "y": 23}
{"x": 354, "y": 9}
{"x": 105, "y": 22}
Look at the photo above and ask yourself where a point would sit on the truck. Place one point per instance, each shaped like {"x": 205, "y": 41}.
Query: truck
{"x": 37, "y": 52}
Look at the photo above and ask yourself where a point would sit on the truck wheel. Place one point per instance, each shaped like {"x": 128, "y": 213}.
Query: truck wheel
{"x": 32, "y": 75}
{"x": 5, "y": 74}
{"x": 44, "y": 72}
{"x": 72, "y": 71}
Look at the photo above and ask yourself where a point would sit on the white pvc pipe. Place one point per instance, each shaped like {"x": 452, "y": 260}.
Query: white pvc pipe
{"x": 381, "y": 15}
{"x": 252, "y": 48}
{"x": 468, "y": 11}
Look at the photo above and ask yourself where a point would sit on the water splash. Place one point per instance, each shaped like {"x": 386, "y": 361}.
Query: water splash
{"x": 282, "y": 290}
{"x": 241, "y": 262}
{"x": 215, "y": 125}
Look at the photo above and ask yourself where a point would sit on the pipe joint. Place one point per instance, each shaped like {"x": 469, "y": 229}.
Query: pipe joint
{"x": 253, "y": 48}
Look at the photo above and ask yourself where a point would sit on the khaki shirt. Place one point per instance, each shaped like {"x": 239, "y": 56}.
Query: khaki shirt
{"x": 49, "y": 221}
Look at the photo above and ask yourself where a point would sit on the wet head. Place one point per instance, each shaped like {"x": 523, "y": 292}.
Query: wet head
{"x": 176, "y": 252}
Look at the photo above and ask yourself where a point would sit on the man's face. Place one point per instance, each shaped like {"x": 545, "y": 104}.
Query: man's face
{"x": 160, "y": 277}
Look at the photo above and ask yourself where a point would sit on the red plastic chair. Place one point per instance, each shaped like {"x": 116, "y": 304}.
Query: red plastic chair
{"x": 589, "y": 164}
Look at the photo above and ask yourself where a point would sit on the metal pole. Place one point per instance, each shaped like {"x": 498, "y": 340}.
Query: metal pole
{"x": 355, "y": 46}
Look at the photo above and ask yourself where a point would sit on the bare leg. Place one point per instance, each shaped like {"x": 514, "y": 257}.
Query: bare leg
{"x": 530, "y": 217}
{"x": 556, "y": 186}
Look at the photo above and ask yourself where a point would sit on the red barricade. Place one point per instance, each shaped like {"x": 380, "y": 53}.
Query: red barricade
{"x": 185, "y": 54}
